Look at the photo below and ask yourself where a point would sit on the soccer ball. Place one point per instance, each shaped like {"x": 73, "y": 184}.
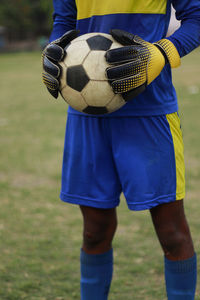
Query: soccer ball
{"x": 83, "y": 82}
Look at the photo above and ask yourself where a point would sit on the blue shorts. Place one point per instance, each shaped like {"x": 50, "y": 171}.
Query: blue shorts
{"x": 139, "y": 156}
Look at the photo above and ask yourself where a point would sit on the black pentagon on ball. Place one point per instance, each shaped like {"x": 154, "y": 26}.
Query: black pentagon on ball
{"x": 99, "y": 42}
{"x": 95, "y": 110}
{"x": 77, "y": 77}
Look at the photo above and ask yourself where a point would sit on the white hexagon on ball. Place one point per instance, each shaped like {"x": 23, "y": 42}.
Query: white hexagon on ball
{"x": 76, "y": 53}
{"x": 97, "y": 60}
{"x": 116, "y": 103}
{"x": 95, "y": 88}
{"x": 73, "y": 98}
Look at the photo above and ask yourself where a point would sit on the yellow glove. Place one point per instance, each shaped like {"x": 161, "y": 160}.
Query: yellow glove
{"x": 138, "y": 63}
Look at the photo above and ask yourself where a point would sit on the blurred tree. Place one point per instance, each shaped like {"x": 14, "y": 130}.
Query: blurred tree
{"x": 26, "y": 18}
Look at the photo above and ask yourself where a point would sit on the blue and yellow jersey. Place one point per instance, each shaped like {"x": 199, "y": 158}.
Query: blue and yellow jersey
{"x": 147, "y": 18}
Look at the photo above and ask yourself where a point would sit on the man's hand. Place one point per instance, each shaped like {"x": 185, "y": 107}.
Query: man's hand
{"x": 52, "y": 54}
{"x": 138, "y": 63}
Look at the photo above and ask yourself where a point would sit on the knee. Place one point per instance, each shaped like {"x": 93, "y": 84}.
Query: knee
{"x": 175, "y": 242}
{"x": 171, "y": 239}
{"x": 98, "y": 236}
{"x": 92, "y": 238}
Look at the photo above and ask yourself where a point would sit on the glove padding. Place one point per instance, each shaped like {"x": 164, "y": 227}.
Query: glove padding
{"x": 138, "y": 63}
{"x": 52, "y": 54}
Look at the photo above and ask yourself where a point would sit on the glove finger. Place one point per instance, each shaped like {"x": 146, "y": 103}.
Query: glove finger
{"x": 67, "y": 38}
{"x": 50, "y": 82}
{"x": 124, "y": 70}
{"x": 134, "y": 92}
{"x": 122, "y": 54}
{"x": 127, "y": 84}
{"x": 123, "y": 37}
{"x": 54, "y": 52}
{"x": 54, "y": 93}
{"x": 51, "y": 68}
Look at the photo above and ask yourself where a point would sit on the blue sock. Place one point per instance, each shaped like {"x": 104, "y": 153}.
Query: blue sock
{"x": 180, "y": 277}
{"x": 96, "y": 275}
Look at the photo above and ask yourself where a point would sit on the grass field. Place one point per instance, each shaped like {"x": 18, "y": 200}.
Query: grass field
{"x": 40, "y": 236}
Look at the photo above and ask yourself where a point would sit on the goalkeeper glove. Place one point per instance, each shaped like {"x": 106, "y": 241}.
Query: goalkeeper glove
{"x": 52, "y": 54}
{"x": 138, "y": 63}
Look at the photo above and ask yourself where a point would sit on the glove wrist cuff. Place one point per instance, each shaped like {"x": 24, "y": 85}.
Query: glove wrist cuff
{"x": 170, "y": 51}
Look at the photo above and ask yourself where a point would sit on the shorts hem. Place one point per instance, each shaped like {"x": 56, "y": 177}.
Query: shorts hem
{"x": 180, "y": 196}
{"x": 74, "y": 199}
{"x": 155, "y": 202}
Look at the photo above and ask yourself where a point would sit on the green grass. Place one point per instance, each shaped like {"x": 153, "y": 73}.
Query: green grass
{"x": 40, "y": 236}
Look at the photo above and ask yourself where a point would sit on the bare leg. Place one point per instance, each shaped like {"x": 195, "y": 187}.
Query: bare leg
{"x": 99, "y": 229}
{"x": 180, "y": 260}
{"x": 96, "y": 255}
{"x": 172, "y": 230}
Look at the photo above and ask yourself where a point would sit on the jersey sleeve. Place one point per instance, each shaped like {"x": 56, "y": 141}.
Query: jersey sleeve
{"x": 64, "y": 17}
{"x": 187, "y": 37}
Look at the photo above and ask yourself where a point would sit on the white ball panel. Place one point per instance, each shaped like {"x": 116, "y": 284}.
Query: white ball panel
{"x": 94, "y": 89}
{"x": 116, "y": 103}
{"x": 95, "y": 65}
{"x": 76, "y": 53}
{"x": 73, "y": 98}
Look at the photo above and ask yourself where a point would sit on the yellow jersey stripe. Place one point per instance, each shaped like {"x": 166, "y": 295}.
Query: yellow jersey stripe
{"x": 174, "y": 123}
{"x": 89, "y": 8}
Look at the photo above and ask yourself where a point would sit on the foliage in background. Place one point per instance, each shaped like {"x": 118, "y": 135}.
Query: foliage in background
{"x": 26, "y": 18}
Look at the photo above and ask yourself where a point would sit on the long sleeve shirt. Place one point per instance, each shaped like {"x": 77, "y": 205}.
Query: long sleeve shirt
{"x": 148, "y": 19}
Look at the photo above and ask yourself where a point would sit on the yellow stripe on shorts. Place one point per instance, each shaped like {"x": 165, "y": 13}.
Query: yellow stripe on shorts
{"x": 174, "y": 123}
{"x": 89, "y": 8}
